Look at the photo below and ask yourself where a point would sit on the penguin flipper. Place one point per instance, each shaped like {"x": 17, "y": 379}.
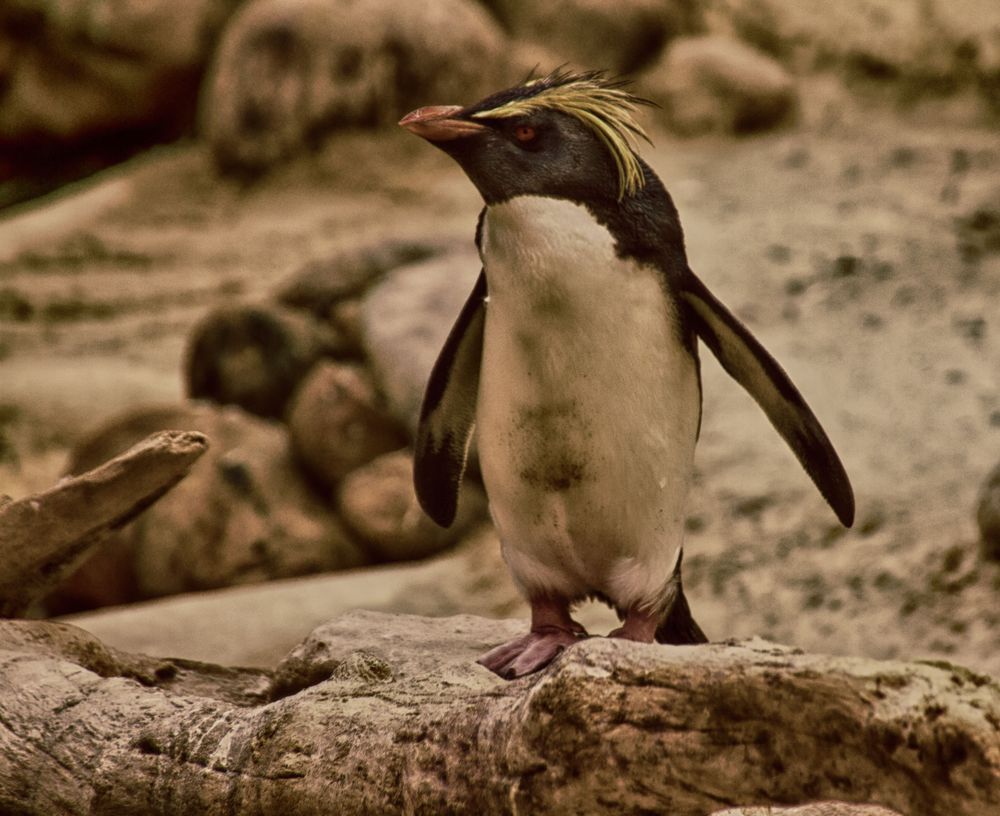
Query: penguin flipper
{"x": 750, "y": 364}
{"x": 448, "y": 413}
{"x": 679, "y": 627}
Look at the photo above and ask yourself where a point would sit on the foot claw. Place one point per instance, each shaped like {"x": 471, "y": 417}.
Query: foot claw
{"x": 530, "y": 652}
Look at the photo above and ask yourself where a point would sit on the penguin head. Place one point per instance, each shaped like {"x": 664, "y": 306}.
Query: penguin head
{"x": 564, "y": 135}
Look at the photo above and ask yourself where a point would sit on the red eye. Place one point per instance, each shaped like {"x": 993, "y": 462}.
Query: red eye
{"x": 524, "y": 133}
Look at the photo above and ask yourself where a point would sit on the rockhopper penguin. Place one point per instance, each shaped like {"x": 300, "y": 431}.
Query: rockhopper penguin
{"x": 576, "y": 357}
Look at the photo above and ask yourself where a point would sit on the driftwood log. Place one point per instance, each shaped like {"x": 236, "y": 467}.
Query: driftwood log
{"x": 827, "y": 808}
{"x": 390, "y": 714}
{"x": 44, "y": 537}
{"x": 244, "y": 513}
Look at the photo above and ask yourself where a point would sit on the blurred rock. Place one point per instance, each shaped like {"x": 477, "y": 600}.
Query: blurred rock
{"x": 346, "y": 319}
{"x": 933, "y": 46}
{"x": 255, "y": 356}
{"x": 288, "y": 71}
{"x": 257, "y": 625}
{"x": 378, "y": 502}
{"x": 978, "y": 232}
{"x": 84, "y": 68}
{"x": 617, "y": 35}
{"x": 405, "y": 320}
{"x": 243, "y": 515}
{"x": 166, "y": 32}
{"x": 988, "y": 515}
{"x": 319, "y": 285}
{"x": 335, "y": 422}
{"x": 804, "y": 30}
{"x": 717, "y": 84}
{"x": 972, "y": 33}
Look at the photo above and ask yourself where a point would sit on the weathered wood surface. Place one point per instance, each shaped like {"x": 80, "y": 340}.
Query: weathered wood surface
{"x": 46, "y": 536}
{"x": 389, "y": 714}
{"x": 826, "y": 808}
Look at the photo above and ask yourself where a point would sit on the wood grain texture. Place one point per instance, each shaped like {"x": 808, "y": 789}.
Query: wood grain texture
{"x": 379, "y": 713}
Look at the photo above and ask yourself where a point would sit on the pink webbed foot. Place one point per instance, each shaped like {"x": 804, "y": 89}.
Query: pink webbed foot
{"x": 639, "y": 625}
{"x": 552, "y": 630}
{"x": 530, "y": 652}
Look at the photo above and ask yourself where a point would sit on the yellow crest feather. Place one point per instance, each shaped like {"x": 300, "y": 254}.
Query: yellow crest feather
{"x": 602, "y": 105}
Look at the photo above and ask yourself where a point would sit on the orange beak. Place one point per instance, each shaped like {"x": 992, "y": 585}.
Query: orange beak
{"x": 435, "y": 123}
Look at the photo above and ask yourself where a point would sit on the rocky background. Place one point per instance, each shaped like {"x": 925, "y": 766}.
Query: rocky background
{"x": 274, "y": 267}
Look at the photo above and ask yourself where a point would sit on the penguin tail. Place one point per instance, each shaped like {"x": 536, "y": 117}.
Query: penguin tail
{"x": 679, "y": 627}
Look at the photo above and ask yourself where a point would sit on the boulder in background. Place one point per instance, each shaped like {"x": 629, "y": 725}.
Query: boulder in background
{"x": 336, "y": 424}
{"x": 616, "y": 35}
{"x": 406, "y": 318}
{"x": 718, "y": 84}
{"x": 935, "y": 46}
{"x": 379, "y": 504}
{"x": 289, "y": 71}
{"x": 244, "y": 514}
{"x": 255, "y": 356}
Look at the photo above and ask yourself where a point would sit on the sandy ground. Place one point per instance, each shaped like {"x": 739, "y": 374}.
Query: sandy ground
{"x": 834, "y": 242}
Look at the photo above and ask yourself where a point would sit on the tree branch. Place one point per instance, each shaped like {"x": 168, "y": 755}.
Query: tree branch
{"x": 45, "y": 537}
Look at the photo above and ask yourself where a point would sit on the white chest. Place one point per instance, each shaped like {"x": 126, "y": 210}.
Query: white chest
{"x": 567, "y": 319}
{"x": 588, "y": 404}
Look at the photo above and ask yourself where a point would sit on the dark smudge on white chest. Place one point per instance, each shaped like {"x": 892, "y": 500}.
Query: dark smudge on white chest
{"x": 550, "y": 444}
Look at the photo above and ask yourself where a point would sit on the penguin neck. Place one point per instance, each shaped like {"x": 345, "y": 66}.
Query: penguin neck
{"x": 531, "y": 244}
{"x": 644, "y": 226}
{"x": 552, "y": 260}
